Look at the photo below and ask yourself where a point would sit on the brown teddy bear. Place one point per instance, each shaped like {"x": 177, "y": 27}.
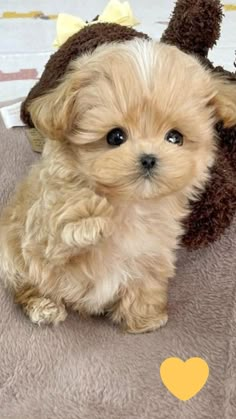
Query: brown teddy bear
{"x": 194, "y": 27}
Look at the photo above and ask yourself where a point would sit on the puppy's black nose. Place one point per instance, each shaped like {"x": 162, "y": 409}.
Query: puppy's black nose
{"x": 148, "y": 161}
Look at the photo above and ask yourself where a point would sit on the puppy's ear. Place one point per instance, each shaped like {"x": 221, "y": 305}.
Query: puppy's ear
{"x": 54, "y": 113}
{"x": 224, "y": 101}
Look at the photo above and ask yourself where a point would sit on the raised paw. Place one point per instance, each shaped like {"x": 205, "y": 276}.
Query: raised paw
{"x": 80, "y": 224}
{"x": 98, "y": 206}
{"x": 87, "y": 232}
{"x": 94, "y": 223}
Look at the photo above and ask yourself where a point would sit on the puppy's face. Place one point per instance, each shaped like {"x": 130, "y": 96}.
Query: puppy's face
{"x": 140, "y": 117}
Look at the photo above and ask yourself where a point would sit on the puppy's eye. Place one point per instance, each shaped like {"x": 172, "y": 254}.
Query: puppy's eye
{"x": 174, "y": 137}
{"x": 116, "y": 137}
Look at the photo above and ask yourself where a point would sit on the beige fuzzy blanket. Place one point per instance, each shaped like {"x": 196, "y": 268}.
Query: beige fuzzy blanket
{"x": 88, "y": 369}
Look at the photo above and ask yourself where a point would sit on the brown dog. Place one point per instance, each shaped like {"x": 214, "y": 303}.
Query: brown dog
{"x": 96, "y": 224}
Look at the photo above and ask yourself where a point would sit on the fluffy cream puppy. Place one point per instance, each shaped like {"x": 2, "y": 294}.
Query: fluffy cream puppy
{"x": 96, "y": 223}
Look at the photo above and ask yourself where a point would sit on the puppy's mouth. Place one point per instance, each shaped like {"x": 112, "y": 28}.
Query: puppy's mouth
{"x": 131, "y": 181}
{"x": 149, "y": 175}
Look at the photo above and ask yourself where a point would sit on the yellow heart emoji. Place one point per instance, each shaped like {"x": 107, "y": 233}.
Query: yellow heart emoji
{"x": 184, "y": 379}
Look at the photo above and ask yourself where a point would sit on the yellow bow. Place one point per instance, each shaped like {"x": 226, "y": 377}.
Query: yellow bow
{"x": 115, "y": 12}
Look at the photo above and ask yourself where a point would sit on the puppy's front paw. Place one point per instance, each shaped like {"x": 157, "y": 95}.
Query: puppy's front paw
{"x": 87, "y": 232}
{"x": 95, "y": 225}
{"x": 42, "y": 311}
{"x": 98, "y": 207}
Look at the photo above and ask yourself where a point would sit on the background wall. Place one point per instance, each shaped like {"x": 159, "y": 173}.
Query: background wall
{"x": 26, "y": 42}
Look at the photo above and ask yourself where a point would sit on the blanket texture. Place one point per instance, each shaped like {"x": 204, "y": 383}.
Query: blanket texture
{"x": 89, "y": 369}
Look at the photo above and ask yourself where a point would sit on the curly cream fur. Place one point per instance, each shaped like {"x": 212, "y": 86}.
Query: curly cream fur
{"x": 86, "y": 229}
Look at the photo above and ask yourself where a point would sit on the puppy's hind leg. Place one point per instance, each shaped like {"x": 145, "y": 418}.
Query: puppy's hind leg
{"x": 40, "y": 309}
{"x": 141, "y": 306}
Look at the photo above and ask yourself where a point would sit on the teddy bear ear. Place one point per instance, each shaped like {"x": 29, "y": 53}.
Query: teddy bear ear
{"x": 194, "y": 26}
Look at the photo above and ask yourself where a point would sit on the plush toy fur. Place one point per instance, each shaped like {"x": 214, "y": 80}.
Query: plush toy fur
{"x": 194, "y": 27}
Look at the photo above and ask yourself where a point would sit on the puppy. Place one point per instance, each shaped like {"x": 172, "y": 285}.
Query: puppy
{"x": 96, "y": 224}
